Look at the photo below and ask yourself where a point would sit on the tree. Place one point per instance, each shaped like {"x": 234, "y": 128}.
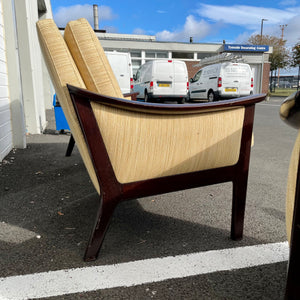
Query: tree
{"x": 279, "y": 59}
{"x": 295, "y": 60}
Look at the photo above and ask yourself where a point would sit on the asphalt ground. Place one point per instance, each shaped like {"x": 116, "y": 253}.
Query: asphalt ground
{"x": 48, "y": 206}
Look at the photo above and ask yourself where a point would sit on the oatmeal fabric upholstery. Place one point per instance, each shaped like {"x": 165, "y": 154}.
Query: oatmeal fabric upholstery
{"x": 63, "y": 70}
{"x": 90, "y": 59}
{"x": 143, "y": 146}
{"x": 291, "y": 186}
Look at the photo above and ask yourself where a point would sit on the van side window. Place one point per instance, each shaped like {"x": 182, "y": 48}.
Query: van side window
{"x": 197, "y": 76}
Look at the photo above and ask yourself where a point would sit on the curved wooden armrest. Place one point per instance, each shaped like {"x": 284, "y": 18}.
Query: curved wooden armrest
{"x": 159, "y": 108}
{"x": 290, "y": 110}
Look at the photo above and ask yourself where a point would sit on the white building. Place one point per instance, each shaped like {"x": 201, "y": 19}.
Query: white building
{"x": 25, "y": 88}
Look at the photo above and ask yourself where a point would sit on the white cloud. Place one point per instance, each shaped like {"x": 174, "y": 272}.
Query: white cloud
{"x": 292, "y": 31}
{"x": 139, "y": 31}
{"x": 191, "y": 28}
{"x": 242, "y": 15}
{"x": 67, "y": 13}
{"x": 250, "y": 18}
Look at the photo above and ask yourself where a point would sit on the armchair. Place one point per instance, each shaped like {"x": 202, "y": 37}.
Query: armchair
{"x": 290, "y": 113}
{"x": 133, "y": 149}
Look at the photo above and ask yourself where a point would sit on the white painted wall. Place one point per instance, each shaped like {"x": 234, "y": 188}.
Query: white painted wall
{"x": 30, "y": 66}
{"x": 5, "y": 115}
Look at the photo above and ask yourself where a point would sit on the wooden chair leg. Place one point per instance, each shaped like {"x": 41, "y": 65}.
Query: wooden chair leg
{"x": 70, "y": 146}
{"x": 105, "y": 211}
{"x": 238, "y": 207}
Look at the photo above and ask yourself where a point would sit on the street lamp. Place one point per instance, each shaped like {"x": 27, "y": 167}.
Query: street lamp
{"x": 262, "y": 61}
{"x": 261, "y": 28}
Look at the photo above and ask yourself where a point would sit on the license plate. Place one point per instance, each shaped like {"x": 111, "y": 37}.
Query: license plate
{"x": 230, "y": 90}
{"x": 163, "y": 84}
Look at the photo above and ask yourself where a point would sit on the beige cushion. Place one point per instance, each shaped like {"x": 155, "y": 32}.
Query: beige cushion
{"x": 90, "y": 59}
{"x": 291, "y": 186}
{"x": 63, "y": 70}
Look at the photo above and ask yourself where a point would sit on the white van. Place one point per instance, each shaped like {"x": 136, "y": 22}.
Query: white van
{"x": 121, "y": 65}
{"x": 223, "y": 80}
{"x": 159, "y": 80}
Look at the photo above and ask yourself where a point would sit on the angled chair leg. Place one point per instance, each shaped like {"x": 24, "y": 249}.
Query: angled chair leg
{"x": 238, "y": 207}
{"x": 70, "y": 146}
{"x": 104, "y": 214}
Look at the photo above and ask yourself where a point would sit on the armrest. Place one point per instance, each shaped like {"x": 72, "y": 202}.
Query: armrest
{"x": 132, "y": 95}
{"x": 290, "y": 110}
{"x": 159, "y": 108}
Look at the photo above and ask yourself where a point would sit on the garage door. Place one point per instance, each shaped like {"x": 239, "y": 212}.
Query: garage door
{"x": 5, "y": 114}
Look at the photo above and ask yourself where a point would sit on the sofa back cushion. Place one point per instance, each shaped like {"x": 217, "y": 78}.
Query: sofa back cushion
{"x": 63, "y": 70}
{"x": 90, "y": 59}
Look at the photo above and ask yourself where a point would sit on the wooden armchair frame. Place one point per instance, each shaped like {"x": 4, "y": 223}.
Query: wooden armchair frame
{"x": 113, "y": 192}
{"x": 133, "y": 149}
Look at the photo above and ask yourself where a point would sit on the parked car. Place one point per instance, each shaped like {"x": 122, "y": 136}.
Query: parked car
{"x": 122, "y": 67}
{"x": 159, "y": 80}
{"x": 222, "y": 80}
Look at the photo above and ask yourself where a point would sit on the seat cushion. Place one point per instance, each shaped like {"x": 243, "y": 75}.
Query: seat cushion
{"x": 90, "y": 59}
{"x": 63, "y": 70}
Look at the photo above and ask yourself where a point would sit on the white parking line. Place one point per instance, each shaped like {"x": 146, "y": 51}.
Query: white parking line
{"x": 57, "y": 283}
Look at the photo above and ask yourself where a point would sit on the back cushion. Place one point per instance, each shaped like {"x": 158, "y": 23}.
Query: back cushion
{"x": 90, "y": 59}
{"x": 63, "y": 70}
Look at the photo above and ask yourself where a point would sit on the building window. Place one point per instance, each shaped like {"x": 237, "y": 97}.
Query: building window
{"x": 202, "y": 55}
{"x": 136, "y": 54}
{"x": 162, "y": 54}
{"x": 135, "y": 65}
{"x": 183, "y": 55}
{"x": 150, "y": 54}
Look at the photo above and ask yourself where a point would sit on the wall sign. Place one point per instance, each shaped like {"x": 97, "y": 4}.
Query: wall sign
{"x": 246, "y": 48}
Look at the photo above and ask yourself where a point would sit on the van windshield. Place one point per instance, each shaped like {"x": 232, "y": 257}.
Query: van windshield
{"x": 237, "y": 70}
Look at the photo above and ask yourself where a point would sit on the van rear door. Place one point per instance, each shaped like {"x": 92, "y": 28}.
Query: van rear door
{"x": 163, "y": 77}
{"x": 236, "y": 80}
{"x": 121, "y": 65}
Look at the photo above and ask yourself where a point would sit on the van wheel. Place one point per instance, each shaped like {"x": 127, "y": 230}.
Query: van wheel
{"x": 211, "y": 96}
{"x": 181, "y": 101}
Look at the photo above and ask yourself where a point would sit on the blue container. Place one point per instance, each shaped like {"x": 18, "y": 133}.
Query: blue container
{"x": 60, "y": 119}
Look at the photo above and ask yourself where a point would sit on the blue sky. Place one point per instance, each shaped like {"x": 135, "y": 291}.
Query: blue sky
{"x": 205, "y": 21}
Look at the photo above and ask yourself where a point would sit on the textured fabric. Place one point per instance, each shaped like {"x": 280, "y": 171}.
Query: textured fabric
{"x": 143, "y": 146}
{"x": 291, "y": 186}
{"x": 90, "y": 59}
{"x": 63, "y": 70}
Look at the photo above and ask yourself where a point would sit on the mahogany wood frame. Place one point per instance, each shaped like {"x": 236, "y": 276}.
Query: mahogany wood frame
{"x": 113, "y": 192}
